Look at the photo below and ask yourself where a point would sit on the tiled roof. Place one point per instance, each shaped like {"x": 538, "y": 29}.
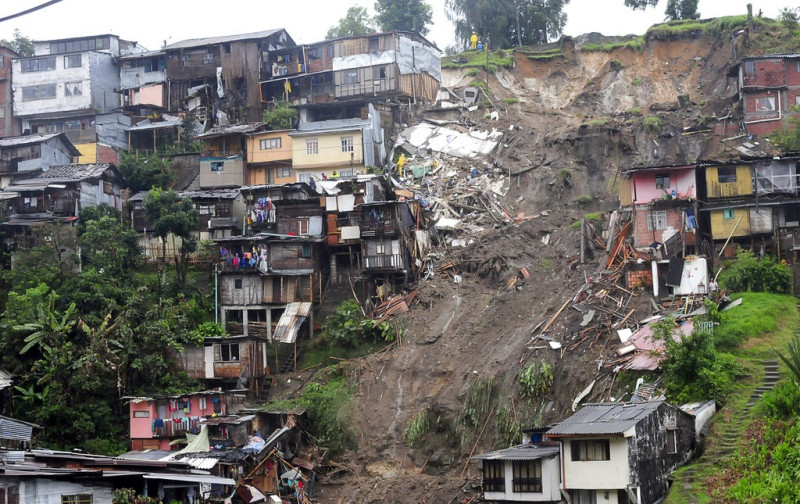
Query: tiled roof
{"x": 604, "y": 419}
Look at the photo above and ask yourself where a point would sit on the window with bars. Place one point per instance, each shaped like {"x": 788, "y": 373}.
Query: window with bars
{"x": 749, "y": 67}
{"x": 494, "y": 479}
{"x": 312, "y": 146}
{"x": 77, "y": 499}
{"x": 527, "y": 476}
{"x": 585, "y": 450}
{"x": 347, "y": 144}
{"x": 657, "y": 220}
{"x": 662, "y": 180}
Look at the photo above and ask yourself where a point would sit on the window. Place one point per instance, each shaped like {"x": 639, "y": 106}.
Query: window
{"x": 38, "y": 64}
{"x": 2, "y": 61}
{"x": 217, "y": 166}
{"x": 208, "y": 58}
{"x": 312, "y": 146}
{"x": 228, "y": 352}
{"x": 73, "y": 88}
{"x": 302, "y": 226}
{"x": 72, "y": 61}
{"x": 374, "y": 44}
{"x": 270, "y": 143}
{"x": 765, "y": 104}
{"x": 726, "y": 174}
{"x": 380, "y": 248}
{"x": 749, "y": 67}
{"x": 672, "y": 440}
{"x": 141, "y": 414}
{"x": 76, "y": 499}
{"x": 728, "y": 213}
{"x": 305, "y": 251}
{"x": 527, "y": 475}
{"x": 284, "y": 172}
{"x": 662, "y": 180}
{"x": 351, "y": 77}
{"x": 237, "y": 283}
{"x": 378, "y": 73}
{"x": 347, "y": 144}
{"x": 184, "y": 58}
{"x": 657, "y": 220}
{"x": 585, "y": 450}
{"x": 42, "y": 92}
{"x": 493, "y": 478}
{"x": 330, "y": 51}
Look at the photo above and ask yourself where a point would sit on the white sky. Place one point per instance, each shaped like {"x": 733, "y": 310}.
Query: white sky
{"x": 150, "y": 22}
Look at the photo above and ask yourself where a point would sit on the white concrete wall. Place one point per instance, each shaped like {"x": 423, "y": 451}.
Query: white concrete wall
{"x": 550, "y": 485}
{"x": 44, "y": 491}
{"x": 604, "y": 474}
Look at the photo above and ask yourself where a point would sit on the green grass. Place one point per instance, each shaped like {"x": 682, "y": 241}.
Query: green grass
{"x": 320, "y": 352}
{"x": 635, "y": 111}
{"x": 511, "y": 101}
{"x": 472, "y": 72}
{"x": 651, "y": 123}
{"x": 762, "y": 322}
{"x": 596, "y": 122}
{"x": 687, "y": 27}
{"x": 545, "y": 264}
{"x": 584, "y": 199}
{"x": 637, "y": 45}
{"x": 636, "y": 81}
{"x": 477, "y": 60}
{"x": 479, "y": 84}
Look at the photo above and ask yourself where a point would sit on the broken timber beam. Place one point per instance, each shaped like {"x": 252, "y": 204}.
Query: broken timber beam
{"x": 555, "y": 316}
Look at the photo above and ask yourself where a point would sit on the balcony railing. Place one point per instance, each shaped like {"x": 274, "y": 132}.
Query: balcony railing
{"x": 169, "y": 427}
{"x": 384, "y": 262}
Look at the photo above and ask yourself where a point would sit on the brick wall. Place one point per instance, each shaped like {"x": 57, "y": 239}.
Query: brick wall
{"x": 642, "y": 237}
{"x": 639, "y": 278}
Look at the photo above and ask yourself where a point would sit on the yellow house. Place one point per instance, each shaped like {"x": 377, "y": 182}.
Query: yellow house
{"x": 726, "y": 181}
{"x": 319, "y": 152}
{"x": 724, "y": 220}
{"x": 269, "y": 158}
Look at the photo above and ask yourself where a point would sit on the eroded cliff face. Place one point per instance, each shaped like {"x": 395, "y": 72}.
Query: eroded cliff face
{"x": 570, "y": 122}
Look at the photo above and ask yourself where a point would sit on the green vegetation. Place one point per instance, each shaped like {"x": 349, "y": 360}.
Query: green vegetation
{"x": 689, "y": 27}
{"x": 480, "y": 84}
{"x": 403, "y": 15}
{"x": 584, "y": 199}
{"x": 478, "y": 60}
{"x": 635, "y": 111}
{"x": 616, "y": 65}
{"x": 329, "y": 405}
{"x": 508, "y": 426}
{"x": 281, "y": 116}
{"x": 356, "y": 22}
{"x": 145, "y": 172}
{"x": 535, "y": 380}
{"x": 636, "y": 45}
{"x": 748, "y": 273}
{"x": 599, "y": 121}
{"x": 511, "y": 101}
{"x": 636, "y": 81}
{"x": 651, "y": 123}
{"x": 416, "y": 427}
{"x": 547, "y": 55}
{"x": 472, "y": 72}
{"x": 19, "y": 44}
{"x": 545, "y": 264}
{"x": 348, "y": 326}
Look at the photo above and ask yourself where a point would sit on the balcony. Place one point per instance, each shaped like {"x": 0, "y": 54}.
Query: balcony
{"x": 383, "y": 227}
{"x": 391, "y": 262}
{"x": 168, "y": 427}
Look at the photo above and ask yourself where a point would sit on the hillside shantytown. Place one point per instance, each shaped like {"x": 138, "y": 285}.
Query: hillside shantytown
{"x": 241, "y": 269}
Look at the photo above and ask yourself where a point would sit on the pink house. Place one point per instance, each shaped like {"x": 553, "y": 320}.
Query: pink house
{"x": 663, "y": 202}
{"x": 156, "y": 421}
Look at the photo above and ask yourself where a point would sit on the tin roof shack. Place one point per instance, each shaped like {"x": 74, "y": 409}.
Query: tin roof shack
{"x": 392, "y": 66}
{"x": 143, "y": 82}
{"x": 769, "y": 86}
{"x": 63, "y": 191}
{"x": 154, "y": 136}
{"x": 16, "y": 434}
{"x": 221, "y": 74}
{"x": 622, "y": 452}
{"x": 158, "y": 420}
{"x": 524, "y": 473}
{"x": 72, "y": 86}
{"x": 222, "y": 162}
{"x": 233, "y": 362}
{"x": 269, "y": 158}
{"x": 9, "y": 125}
{"x": 28, "y": 155}
{"x": 222, "y": 213}
{"x": 260, "y": 275}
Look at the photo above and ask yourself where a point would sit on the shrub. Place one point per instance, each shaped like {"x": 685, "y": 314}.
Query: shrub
{"x": 535, "y": 380}
{"x": 748, "y": 273}
{"x": 635, "y": 111}
{"x": 416, "y": 427}
{"x": 636, "y": 81}
{"x": 472, "y": 72}
{"x": 781, "y": 402}
{"x": 508, "y": 426}
{"x": 348, "y": 326}
{"x": 281, "y": 117}
{"x": 651, "y": 123}
{"x": 511, "y": 101}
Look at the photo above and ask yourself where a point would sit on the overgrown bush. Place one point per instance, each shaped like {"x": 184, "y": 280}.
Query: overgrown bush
{"x": 535, "y": 380}
{"x": 348, "y": 326}
{"x": 508, "y": 426}
{"x": 416, "y": 427}
{"x": 748, "y": 273}
{"x": 281, "y": 116}
{"x": 781, "y": 402}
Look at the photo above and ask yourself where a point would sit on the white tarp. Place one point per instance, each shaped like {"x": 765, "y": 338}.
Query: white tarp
{"x": 450, "y": 141}
{"x": 351, "y": 233}
{"x": 776, "y": 178}
{"x": 346, "y": 202}
{"x": 315, "y": 225}
{"x": 761, "y": 220}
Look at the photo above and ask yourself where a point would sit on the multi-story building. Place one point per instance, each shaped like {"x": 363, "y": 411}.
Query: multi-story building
{"x": 143, "y": 82}
{"x": 769, "y": 86}
{"x": 9, "y": 125}
{"x": 29, "y": 155}
{"x": 72, "y": 86}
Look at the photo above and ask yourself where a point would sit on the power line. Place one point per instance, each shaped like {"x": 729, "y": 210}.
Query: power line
{"x": 28, "y": 11}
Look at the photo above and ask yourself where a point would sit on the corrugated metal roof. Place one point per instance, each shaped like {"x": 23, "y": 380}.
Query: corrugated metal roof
{"x": 773, "y": 56}
{"x": 15, "y": 430}
{"x": 241, "y": 129}
{"x": 604, "y": 419}
{"x": 144, "y": 455}
{"x": 521, "y": 452}
{"x": 149, "y": 126}
{"x": 228, "y": 420}
{"x": 6, "y": 379}
{"x": 190, "y": 478}
{"x": 199, "y": 42}
{"x": 65, "y": 173}
{"x": 290, "y": 322}
{"x": 39, "y": 138}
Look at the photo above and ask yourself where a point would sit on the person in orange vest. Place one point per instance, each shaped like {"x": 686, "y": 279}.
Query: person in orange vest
{"x": 473, "y": 40}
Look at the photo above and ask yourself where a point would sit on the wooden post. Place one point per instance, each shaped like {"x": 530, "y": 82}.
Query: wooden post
{"x": 583, "y": 240}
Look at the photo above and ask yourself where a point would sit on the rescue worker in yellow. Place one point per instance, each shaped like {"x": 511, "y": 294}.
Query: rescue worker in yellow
{"x": 401, "y": 161}
{"x": 473, "y": 40}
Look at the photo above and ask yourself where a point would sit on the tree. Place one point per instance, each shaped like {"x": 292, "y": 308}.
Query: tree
{"x": 19, "y": 44}
{"x": 676, "y": 9}
{"x": 505, "y": 23}
{"x": 143, "y": 173}
{"x": 171, "y": 215}
{"x": 281, "y": 116}
{"x": 403, "y": 15}
{"x": 356, "y": 22}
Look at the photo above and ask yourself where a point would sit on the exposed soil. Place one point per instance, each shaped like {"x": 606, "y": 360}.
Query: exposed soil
{"x": 484, "y": 328}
